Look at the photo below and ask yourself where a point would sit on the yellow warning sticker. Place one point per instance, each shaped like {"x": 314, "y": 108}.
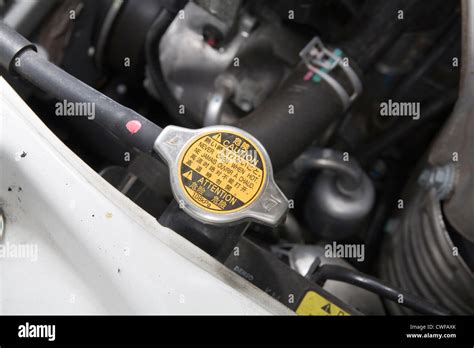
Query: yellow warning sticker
{"x": 315, "y": 304}
{"x": 222, "y": 171}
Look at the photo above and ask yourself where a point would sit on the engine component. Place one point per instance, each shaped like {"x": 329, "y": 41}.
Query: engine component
{"x": 252, "y": 84}
{"x": 301, "y": 257}
{"x": 218, "y": 174}
{"x": 368, "y": 282}
{"x": 211, "y": 47}
{"x": 221, "y": 174}
{"x": 24, "y": 16}
{"x": 156, "y": 83}
{"x": 217, "y": 240}
{"x": 307, "y": 97}
{"x": 430, "y": 251}
{"x": 225, "y": 86}
{"x": 290, "y": 111}
{"x": 226, "y": 10}
{"x": 178, "y": 59}
{"x": 80, "y": 237}
{"x": 265, "y": 93}
{"x": 117, "y": 43}
{"x": 455, "y": 144}
{"x": 341, "y": 197}
{"x": 439, "y": 178}
{"x": 11, "y": 44}
{"x": 421, "y": 257}
{"x": 369, "y": 45}
{"x": 290, "y": 108}
{"x": 19, "y": 56}
{"x": 265, "y": 271}
{"x": 321, "y": 61}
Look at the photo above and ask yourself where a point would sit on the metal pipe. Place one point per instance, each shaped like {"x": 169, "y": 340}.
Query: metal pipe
{"x": 341, "y": 197}
{"x": 349, "y": 175}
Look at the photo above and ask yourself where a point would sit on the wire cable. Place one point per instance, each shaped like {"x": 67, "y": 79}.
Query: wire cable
{"x": 367, "y": 282}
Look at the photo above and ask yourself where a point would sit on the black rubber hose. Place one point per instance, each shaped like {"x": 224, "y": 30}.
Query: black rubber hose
{"x": 152, "y": 46}
{"x": 125, "y": 124}
{"x": 286, "y": 135}
{"x": 367, "y": 282}
{"x": 316, "y": 105}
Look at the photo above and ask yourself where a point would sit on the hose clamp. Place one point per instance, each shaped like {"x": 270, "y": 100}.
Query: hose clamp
{"x": 321, "y": 61}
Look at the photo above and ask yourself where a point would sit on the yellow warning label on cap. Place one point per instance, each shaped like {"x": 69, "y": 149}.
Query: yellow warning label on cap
{"x": 315, "y": 304}
{"x": 222, "y": 171}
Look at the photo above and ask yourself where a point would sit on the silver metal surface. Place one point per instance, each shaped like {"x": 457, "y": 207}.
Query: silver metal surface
{"x": 191, "y": 66}
{"x": 269, "y": 208}
{"x": 256, "y": 57}
{"x": 214, "y": 108}
{"x": 440, "y": 178}
{"x": 226, "y": 10}
{"x": 224, "y": 89}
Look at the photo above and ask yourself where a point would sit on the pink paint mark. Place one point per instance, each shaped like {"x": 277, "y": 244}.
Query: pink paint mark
{"x": 133, "y": 126}
{"x": 211, "y": 42}
{"x": 308, "y": 75}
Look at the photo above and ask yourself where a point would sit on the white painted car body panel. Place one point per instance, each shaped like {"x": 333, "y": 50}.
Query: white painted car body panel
{"x": 97, "y": 252}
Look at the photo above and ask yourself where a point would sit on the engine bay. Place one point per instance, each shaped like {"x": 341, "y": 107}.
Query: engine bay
{"x": 321, "y": 150}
